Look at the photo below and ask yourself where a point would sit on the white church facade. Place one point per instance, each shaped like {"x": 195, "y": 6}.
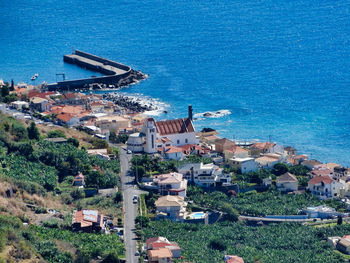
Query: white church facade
{"x": 162, "y": 134}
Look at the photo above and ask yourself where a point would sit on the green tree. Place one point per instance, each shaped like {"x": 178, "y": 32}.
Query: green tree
{"x": 279, "y": 169}
{"x": 77, "y": 193}
{"x": 339, "y": 220}
{"x": 5, "y": 91}
{"x": 33, "y": 131}
{"x": 231, "y": 214}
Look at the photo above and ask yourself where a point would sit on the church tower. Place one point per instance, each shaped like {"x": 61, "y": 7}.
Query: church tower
{"x": 150, "y": 136}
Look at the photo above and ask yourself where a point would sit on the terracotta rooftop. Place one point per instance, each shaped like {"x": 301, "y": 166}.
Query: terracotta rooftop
{"x": 174, "y": 126}
{"x": 319, "y": 179}
{"x": 64, "y": 117}
{"x": 173, "y": 149}
{"x": 170, "y": 200}
{"x": 233, "y": 259}
{"x": 160, "y": 253}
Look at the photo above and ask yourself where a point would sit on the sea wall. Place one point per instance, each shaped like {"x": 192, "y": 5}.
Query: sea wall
{"x": 116, "y": 74}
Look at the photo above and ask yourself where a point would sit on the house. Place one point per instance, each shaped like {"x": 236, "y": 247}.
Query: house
{"x": 161, "y": 255}
{"x": 19, "y": 105}
{"x": 339, "y": 172}
{"x": 172, "y": 153}
{"x": 311, "y": 164}
{"x": 259, "y": 148}
{"x": 233, "y": 259}
{"x": 87, "y": 221}
{"x": 235, "y": 151}
{"x": 161, "y": 242}
{"x": 205, "y": 175}
{"x": 67, "y": 119}
{"x": 343, "y": 244}
{"x": 325, "y": 187}
{"x": 268, "y": 161}
{"x": 79, "y": 180}
{"x": 287, "y": 182}
{"x": 223, "y": 144}
{"x": 113, "y": 122}
{"x": 290, "y": 151}
{"x": 39, "y": 103}
{"x": 320, "y": 172}
{"x": 171, "y": 184}
{"x": 245, "y": 165}
{"x": 320, "y": 212}
{"x": 176, "y": 132}
{"x": 172, "y": 207}
{"x": 101, "y": 153}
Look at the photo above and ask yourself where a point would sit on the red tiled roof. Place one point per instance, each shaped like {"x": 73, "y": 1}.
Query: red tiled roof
{"x": 174, "y": 126}
{"x": 64, "y": 117}
{"x": 173, "y": 149}
{"x": 321, "y": 172}
{"x": 319, "y": 179}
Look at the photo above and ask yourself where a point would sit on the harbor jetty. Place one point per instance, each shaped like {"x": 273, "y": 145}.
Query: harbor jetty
{"x": 116, "y": 75}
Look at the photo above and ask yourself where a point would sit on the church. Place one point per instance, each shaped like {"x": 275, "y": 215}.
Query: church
{"x": 155, "y": 135}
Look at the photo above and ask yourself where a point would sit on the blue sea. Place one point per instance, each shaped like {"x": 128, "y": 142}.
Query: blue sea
{"x": 281, "y": 67}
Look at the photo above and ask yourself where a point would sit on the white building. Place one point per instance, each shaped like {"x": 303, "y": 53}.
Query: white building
{"x": 171, "y": 207}
{"x": 167, "y": 133}
{"x": 325, "y": 187}
{"x": 19, "y": 105}
{"x": 171, "y": 184}
{"x": 246, "y": 165}
{"x": 205, "y": 175}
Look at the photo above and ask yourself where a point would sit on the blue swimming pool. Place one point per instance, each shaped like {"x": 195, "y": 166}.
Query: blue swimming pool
{"x": 197, "y": 215}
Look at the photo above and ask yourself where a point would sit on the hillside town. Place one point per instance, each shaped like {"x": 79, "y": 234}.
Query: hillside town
{"x": 180, "y": 175}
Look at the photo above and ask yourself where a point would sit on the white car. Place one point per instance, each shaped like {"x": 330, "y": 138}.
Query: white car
{"x": 134, "y": 199}
{"x": 129, "y": 152}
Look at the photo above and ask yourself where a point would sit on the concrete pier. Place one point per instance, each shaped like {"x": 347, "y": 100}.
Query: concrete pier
{"x": 116, "y": 74}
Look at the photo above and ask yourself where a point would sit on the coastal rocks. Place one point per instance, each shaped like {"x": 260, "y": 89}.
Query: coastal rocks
{"x": 127, "y": 102}
{"x": 212, "y": 114}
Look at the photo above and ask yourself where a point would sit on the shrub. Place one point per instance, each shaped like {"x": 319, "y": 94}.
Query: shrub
{"x": 217, "y": 244}
{"x": 66, "y": 198}
{"x": 56, "y": 134}
{"x": 73, "y": 141}
{"x": 77, "y": 193}
{"x": 40, "y": 210}
{"x": 51, "y": 223}
{"x": 111, "y": 258}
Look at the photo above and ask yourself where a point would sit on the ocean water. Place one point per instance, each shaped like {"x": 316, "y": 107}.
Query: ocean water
{"x": 281, "y": 67}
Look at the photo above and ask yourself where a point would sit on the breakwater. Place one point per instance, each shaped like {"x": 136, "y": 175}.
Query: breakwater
{"x": 116, "y": 75}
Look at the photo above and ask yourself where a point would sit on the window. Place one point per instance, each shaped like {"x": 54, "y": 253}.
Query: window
{"x": 186, "y": 141}
{"x": 178, "y": 141}
{"x": 152, "y": 141}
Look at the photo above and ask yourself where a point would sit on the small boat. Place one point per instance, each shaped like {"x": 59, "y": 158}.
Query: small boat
{"x": 33, "y": 78}
{"x": 36, "y": 75}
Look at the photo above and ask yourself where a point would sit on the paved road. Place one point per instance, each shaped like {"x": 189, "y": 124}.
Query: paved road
{"x": 130, "y": 209}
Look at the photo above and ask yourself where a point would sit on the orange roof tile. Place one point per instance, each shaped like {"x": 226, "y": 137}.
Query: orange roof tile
{"x": 174, "y": 126}
{"x": 319, "y": 179}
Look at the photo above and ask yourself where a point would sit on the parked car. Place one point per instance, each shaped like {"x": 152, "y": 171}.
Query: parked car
{"x": 134, "y": 199}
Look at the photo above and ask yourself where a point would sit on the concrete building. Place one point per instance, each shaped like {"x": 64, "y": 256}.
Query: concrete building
{"x": 245, "y": 165}
{"x": 171, "y": 207}
{"x": 205, "y": 175}
{"x": 224, "y": 144}
{"x": 113, "y": 122}
{"x": 171, "y": 184}
{"x": 87, "y": 221}
{"x": 287, "y": 182}
{"x": 19, "y": 105}
{"x": 325, "y": 187}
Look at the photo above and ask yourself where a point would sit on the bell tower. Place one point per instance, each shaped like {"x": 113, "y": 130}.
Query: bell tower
{"x": 150, "y": 136}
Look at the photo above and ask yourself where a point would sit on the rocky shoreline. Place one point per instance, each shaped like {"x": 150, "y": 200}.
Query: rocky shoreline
{"x": 131, "y": 103}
